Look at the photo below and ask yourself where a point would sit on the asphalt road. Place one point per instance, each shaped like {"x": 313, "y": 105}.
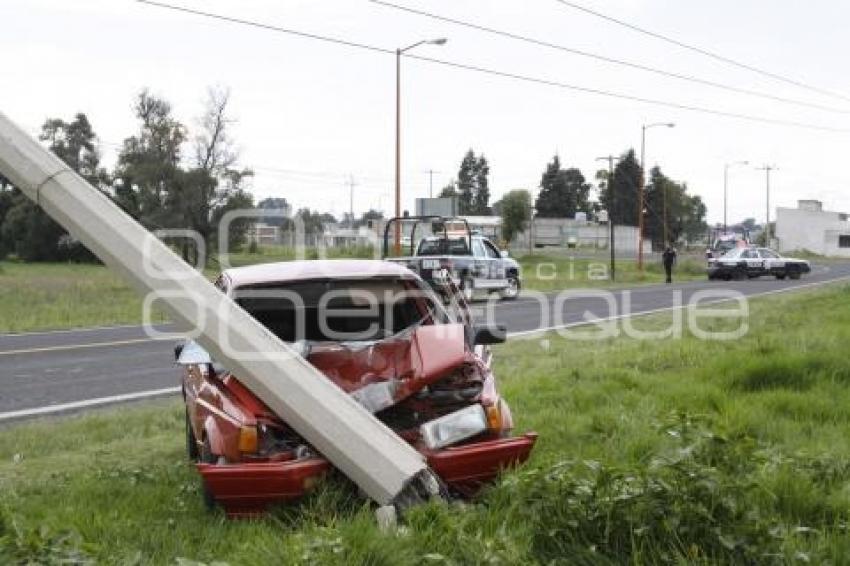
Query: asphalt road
{"x": 50, "y": 372}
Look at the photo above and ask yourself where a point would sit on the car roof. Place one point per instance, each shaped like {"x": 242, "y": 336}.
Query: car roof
{"x": 287, "y": 271}
{"x": 454, "y": 237}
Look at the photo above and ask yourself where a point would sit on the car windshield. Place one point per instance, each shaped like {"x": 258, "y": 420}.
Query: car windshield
{"x": 733, "y": 253}
{"x": 443, "y": 246}
{"x": 341, "y": 310}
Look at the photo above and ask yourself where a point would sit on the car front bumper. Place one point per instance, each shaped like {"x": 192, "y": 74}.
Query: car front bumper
{"x": 247, "y": 489}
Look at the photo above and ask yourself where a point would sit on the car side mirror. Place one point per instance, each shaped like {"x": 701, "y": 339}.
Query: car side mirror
{"x": 504, "y": 253}
{"x": 489, "y": 334}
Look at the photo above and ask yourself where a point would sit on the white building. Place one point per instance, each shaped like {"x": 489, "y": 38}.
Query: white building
{"x": 810, "y": 227}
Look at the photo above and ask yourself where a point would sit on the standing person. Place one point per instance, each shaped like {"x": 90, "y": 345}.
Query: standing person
{"x": 669, "y": 260}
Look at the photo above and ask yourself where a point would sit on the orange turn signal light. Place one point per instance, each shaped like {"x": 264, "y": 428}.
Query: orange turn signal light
{"x": 494, "y": 417}
{"x": 248, "y": 442}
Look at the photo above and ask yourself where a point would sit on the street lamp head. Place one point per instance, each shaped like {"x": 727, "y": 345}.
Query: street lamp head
{"x": 671, "y": 125}
{"x": 438, "y": 41}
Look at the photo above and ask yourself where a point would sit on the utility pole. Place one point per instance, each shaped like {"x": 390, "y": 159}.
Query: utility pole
{"x": 767, "y": 169}
{"x": 351, "y": 185}
{"x": 431, "y": 182}
{"x": 611, "y": 200}
{"x": 726, "y": 190}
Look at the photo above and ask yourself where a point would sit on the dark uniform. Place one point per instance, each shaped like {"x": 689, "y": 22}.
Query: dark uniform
{"x": 669, "y": 260}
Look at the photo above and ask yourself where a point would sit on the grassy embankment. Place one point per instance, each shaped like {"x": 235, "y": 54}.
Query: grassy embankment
{"x": 680, "y": 451}
{"x": 57, "y": 296}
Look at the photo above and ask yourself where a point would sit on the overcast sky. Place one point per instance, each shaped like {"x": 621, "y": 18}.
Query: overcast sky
{"x": 310, "y": 114}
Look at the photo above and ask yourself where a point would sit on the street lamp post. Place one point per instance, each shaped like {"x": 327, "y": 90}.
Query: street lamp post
{"x": 398, "y": 54}
{"x": 610, "y": 159}
{"x": 767, "y": 169}
{"x": 644, "y": 128}
{"x": 726, "y": 189}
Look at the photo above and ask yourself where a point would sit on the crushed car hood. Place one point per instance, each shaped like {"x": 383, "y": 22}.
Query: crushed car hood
{"x": 382, "y": 373}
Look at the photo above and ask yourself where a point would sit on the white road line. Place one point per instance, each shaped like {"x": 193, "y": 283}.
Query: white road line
{"x": 77, "y": 346}
{"x": 87, "y": 403}
{"x": 50, "y": 409}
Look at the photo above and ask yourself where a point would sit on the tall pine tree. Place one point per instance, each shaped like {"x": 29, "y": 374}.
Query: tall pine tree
{"x": 563, "y": 192}
{"x": 624, "y": 187}
{"x": 473, "y": 188}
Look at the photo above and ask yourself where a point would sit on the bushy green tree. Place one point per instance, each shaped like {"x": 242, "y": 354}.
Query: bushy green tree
{"x": 685, "y": 213}
{"x": 149, "y": 163}
{"x": 154, "y": 187}
{"x": 27, "y": 229}
{"x": 515, "y": 209}
{"x": 563, "y": 192}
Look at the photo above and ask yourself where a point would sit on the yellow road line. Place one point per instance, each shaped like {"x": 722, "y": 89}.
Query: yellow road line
{"x": 77, "y": 346}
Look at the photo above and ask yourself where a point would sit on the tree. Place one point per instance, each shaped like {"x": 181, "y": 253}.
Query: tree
{"x": 473, "y": 190}
{"x": 215, "y": 185}
{"x": 624, "y": 187}
{"x": 153, "y": 187}
{"x": 515, "y": 211}
{"x": 29, "y": 231}
{"x": 563, "y": 192}
{"x": 314, "y": 222}
{"x": 278, "y": 204}
{"x": 466, "y": 183}
{"x": 149, "y": 163}
{"x": 685, "y": 213}
{"x": 370, "y": 215}
{"x": 481, "y": 197}
{"x": 449, "y": 191}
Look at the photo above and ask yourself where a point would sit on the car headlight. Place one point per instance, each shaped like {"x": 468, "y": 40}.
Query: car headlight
{"x": 454, "y": 427}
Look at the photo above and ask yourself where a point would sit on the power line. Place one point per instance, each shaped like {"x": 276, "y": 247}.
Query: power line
{"x": 504, "y": 74}
{"x": 704, "y": 52}
{"x": 611, "y": 60}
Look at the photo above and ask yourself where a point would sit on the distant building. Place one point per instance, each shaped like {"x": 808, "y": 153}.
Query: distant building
{"x": 336, "y": 236}
{"x": 810, "y": 227}
{"x": 436, "y": 206}
{"x": 264, "y": 234}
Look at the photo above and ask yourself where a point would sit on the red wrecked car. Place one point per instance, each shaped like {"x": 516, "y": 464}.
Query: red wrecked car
{"x": 381, "y": 334}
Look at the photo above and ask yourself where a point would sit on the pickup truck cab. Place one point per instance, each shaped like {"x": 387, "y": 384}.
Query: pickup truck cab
{"x": 473, "y": 262}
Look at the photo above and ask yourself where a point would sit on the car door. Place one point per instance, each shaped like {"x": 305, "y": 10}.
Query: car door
{"x": 772, "y": 262}
{"x": 482, "y": 263}
{"x": 754, "y": 262}
{"x": 497, "y": 264}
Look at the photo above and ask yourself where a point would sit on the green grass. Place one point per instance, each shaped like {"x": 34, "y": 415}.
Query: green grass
{"x": 42, "y": 296}
{"x": 676, "y": 451}
{"x": 49, "y": 296}
{"x": 552, "y": 272}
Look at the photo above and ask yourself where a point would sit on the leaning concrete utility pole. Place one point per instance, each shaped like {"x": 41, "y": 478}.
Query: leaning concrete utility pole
{"x": 388, "y": 469}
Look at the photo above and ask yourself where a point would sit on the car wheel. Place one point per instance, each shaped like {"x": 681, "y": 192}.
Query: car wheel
{"x": 191, "y": 441}
{"x": 468, "y": 289}
{"x": 512, "y": 290}
{"x": 794, "y": 275}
